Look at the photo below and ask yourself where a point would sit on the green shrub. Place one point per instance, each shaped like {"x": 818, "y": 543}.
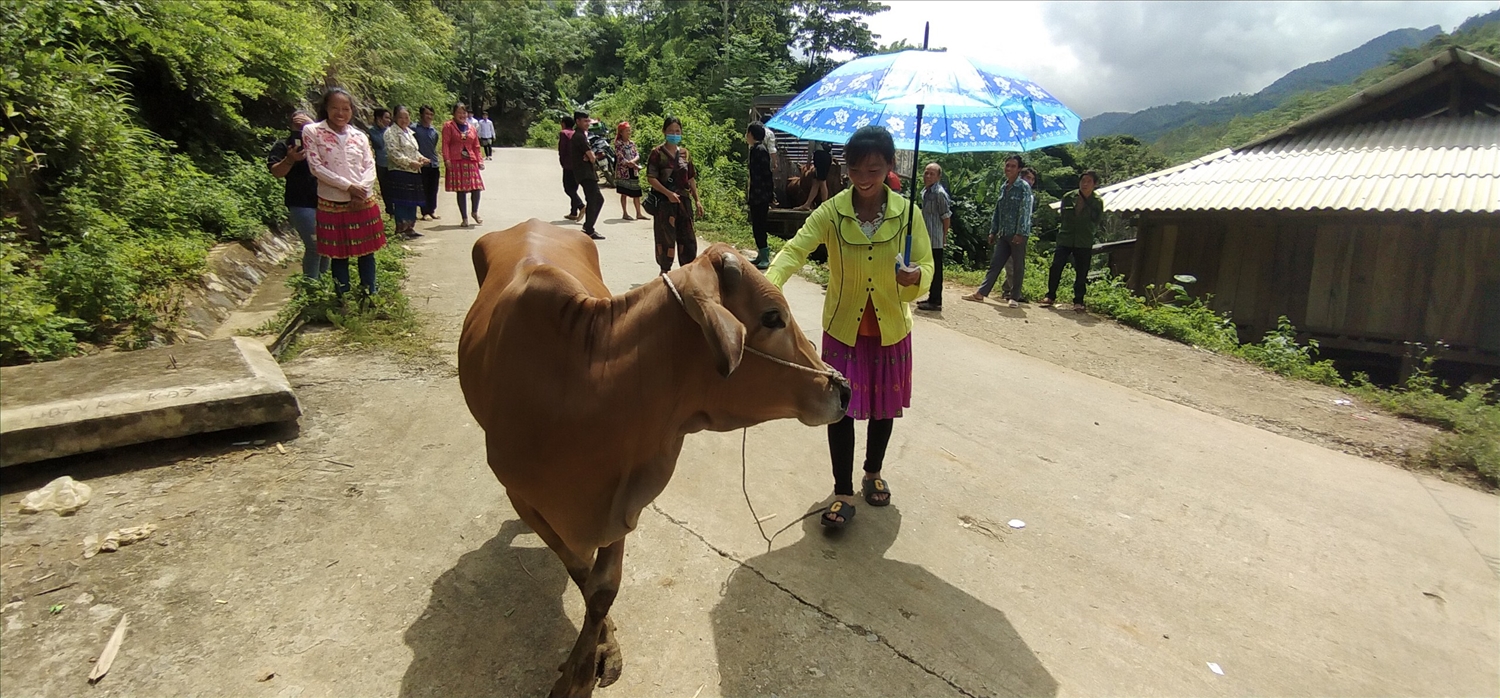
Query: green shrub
{"x": 30, "y": 327}
{"x": 1280, "y": 352}
{"x": 1169, "y": 312}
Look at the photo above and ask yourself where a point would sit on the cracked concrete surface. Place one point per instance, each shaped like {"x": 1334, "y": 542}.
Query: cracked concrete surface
{"x": 1158, "y": 538}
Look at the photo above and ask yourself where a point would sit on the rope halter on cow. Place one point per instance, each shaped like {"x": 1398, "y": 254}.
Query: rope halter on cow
{"x": 831, "y": 373}
{"x": 745, "y": 434}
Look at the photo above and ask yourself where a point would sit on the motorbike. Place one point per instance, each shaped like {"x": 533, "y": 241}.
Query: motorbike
{"x": 604, "y": 155}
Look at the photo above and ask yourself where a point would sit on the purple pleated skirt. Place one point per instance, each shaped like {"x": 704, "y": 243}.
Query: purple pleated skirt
{"x": 879, "y": 376}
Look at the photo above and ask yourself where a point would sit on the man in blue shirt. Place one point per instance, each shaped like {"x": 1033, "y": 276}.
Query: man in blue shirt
{"x": 427, "y": 139}
{"x": 1010, "y": 229}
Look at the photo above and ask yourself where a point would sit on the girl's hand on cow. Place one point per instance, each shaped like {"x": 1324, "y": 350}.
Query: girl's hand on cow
{"x": 908, "y": 276}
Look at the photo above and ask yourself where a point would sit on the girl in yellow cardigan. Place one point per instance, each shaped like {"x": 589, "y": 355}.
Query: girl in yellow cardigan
{"x": 867, "y": 310}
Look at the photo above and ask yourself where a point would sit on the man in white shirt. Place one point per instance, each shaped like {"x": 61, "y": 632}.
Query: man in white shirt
{"x": 486, "y": 130}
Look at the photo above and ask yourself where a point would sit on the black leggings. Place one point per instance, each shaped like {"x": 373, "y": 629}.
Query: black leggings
{"x": 841, "y": 449}
{"x": 473, "y": 202}
{"x": 759, "y": 224}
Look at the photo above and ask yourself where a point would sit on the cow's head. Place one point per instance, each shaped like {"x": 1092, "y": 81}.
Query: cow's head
{"x": 769, "y": 368}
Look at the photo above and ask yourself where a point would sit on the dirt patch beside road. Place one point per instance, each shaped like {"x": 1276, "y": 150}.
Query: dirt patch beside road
{"x": 1220, "y": 385}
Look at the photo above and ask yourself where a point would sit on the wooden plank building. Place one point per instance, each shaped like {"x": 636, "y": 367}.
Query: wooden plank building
{"x": 1371, "y": 225}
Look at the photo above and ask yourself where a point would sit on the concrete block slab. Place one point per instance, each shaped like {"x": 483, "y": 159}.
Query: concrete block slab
{"x": 91, "y": 403}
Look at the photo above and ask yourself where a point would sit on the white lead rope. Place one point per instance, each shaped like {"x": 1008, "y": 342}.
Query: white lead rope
{"x": 745, "y": 433}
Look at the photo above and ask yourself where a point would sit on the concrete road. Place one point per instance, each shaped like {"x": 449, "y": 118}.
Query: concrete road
{"x": 1158, "y": 540}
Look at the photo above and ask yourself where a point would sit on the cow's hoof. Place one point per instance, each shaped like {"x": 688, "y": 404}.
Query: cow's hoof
{"x": 610, "y": 663}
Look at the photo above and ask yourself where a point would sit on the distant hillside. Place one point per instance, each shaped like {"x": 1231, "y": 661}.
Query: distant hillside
{"x": 1196, "y": 140}
{"x": 1152, "y": 123}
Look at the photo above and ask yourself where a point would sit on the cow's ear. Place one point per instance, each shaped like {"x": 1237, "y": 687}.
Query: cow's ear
{"x": 724, "y": 332}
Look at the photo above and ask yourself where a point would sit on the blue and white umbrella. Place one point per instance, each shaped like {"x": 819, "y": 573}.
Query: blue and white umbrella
{"x": 967, "y": 105}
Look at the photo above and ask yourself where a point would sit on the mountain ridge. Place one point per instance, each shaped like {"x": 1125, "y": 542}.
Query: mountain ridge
{"x": 1151, "y": 123}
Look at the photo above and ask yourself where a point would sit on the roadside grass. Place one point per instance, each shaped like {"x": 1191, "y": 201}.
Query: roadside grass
{"x": 383, "y": 321}
{"x": 1468, "y": 415}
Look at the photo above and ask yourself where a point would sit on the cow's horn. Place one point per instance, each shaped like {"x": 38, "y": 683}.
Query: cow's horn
{"x": 730, "y": 272}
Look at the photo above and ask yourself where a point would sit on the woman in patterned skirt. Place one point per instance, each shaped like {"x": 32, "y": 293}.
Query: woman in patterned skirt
{"x": 627, "y": 171}
{"x": 349, "y": 222}
{"x": 462, "y": 154}
{"x": 867, "y": 309}
{"x": 405, "y": 192}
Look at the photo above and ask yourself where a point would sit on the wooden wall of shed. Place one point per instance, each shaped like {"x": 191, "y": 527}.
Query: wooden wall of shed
{"x": 1365, "y": 276}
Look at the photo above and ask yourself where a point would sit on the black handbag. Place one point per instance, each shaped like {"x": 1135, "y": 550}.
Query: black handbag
{"x": 652, "y": 201}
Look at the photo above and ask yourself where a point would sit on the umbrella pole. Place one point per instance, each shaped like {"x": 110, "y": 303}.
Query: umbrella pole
{"x": 911, "y": 211}
{"x": 916, "y": 153}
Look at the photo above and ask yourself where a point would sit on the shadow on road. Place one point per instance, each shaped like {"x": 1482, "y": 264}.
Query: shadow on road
{"x": 492, "y": 627}
{"x": 910, "y": 610}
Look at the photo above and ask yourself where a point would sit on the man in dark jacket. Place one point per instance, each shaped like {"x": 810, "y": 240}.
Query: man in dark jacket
{"x": 427, "y": 143}
{"x": 761, "y": 192}
{"x": 564, "y": 158}
{"x": 582, "y": 162}
{"x": 1081, "y": 211}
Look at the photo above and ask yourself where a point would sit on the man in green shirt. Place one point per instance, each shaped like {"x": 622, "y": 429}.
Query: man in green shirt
{"x": 1081, "y": 212}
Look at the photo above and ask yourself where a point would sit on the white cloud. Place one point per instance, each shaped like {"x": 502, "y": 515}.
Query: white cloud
{"x": 1119, "y": 56}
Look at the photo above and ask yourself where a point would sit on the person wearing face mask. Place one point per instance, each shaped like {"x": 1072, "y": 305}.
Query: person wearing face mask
{"x": 349, "y": 222}
{"x": 867, "y": 321}
{"x": 406, "y": 192}
{"x": 1010, "y": 229}
{"x": 674, "y": 178}
{"x": 288, "y": 161}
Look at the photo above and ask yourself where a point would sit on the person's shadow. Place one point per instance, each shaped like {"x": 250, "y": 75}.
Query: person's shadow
{"x": 861, "y": 624}
{"x": 494, "y": 625}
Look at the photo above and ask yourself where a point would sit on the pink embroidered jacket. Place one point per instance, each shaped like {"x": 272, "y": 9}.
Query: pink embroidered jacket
{"x": 337, "y": 167}
{"x": 456, "y": 143}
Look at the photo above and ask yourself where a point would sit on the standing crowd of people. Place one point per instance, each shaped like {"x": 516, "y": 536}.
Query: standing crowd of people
{"x": 337, "y": 175}
{"x": 334, "y": 172}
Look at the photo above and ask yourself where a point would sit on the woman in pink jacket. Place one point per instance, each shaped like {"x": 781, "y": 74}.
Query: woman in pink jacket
{"x": 349, "y": 222}
{"x": 462, "y": 154}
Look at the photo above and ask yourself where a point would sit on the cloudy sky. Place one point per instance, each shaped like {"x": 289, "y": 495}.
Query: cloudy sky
{"x": 1126, "y": 56}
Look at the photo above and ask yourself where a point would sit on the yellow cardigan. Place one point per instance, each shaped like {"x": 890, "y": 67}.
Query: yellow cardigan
{"x": 861, "y": 268}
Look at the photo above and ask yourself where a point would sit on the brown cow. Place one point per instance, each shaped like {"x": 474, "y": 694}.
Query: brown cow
{"x": 585, "y": 398}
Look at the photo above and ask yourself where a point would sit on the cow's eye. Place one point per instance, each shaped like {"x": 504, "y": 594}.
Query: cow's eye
{"x": 772, "y": 319}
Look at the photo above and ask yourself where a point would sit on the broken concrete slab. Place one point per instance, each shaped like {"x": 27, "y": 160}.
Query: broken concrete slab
{"x": 91, "y": 403}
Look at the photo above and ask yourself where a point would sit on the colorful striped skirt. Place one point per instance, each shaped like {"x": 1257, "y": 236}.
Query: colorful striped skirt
{"x": 405, "y": 188}
{"x": 879, "y": 376}
{"x": 349, "y": 228}
{"x": 463, "y": 176}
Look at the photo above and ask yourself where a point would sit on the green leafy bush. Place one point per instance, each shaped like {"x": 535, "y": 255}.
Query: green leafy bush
{"x": 30, "y": 327}
{"x": 1280, "y": 352}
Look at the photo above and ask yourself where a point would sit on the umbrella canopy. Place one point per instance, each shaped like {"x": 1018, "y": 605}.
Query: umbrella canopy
{"x": 970, "y": 105}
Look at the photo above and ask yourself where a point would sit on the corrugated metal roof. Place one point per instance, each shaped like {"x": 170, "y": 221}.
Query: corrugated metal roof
{"x": 1439, "y": 164}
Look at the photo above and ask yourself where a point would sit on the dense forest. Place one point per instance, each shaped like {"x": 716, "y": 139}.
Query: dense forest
{"x": 135, "y": 131}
